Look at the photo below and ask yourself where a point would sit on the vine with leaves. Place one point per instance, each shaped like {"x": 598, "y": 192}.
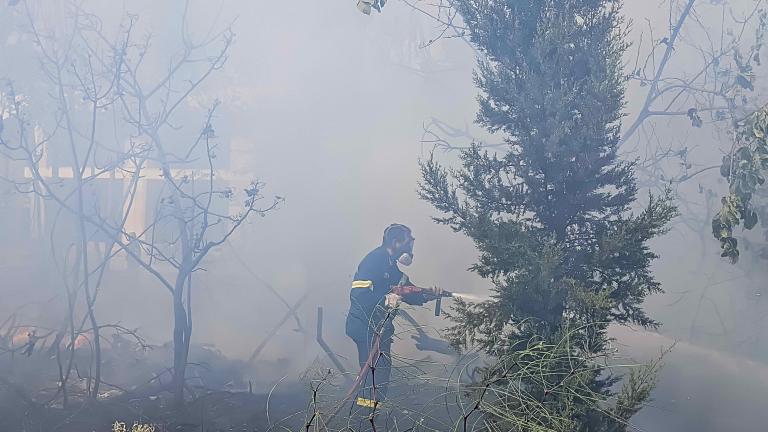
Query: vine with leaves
{"x": 745, "y": 169}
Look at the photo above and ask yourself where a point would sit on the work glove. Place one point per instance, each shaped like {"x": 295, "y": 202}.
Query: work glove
{"x": 392, "y": 300}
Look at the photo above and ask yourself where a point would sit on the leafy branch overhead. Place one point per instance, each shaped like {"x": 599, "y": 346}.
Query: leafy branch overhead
{"x": 745, "y": 169}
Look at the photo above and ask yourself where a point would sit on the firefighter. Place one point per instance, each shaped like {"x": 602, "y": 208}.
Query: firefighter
{"x": 369, "y": 321}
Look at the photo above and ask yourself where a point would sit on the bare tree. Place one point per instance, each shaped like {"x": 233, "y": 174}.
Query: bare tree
{"x": 90, "y": 74}
{"x": 701, "y": 70}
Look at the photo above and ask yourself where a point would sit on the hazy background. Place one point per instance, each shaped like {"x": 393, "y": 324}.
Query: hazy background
{"x": 328, "y": 106}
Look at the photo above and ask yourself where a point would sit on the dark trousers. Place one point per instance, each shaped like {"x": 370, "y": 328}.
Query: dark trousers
{"x": 377, "y": 373}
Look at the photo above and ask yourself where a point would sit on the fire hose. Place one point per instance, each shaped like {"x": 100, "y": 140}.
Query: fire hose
{"x": 429, "y": 295}
{"x": 401, "y": 290}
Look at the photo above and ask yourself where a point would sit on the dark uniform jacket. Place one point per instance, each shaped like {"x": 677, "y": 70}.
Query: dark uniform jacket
{"x": 375, "y": 277}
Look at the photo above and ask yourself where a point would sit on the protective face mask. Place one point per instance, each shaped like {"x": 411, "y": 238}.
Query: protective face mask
{"x": 405, "y": 259}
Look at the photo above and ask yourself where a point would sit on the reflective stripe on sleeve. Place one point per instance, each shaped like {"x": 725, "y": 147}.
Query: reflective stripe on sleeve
{"x": 368, "y": 403}
{"x": 362, "y": 284}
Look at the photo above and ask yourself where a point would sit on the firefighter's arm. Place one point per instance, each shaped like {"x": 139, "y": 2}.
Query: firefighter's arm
{"x": 362, "y": 295}
{"x": 415, "y": 299}
{"x": 367, "y": 286}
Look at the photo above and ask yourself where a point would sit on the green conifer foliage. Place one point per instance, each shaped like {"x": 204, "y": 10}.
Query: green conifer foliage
{"x": 551, "y": 214}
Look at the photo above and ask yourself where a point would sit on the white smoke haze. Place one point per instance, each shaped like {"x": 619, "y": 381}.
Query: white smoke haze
{"x": 328, "y": 107}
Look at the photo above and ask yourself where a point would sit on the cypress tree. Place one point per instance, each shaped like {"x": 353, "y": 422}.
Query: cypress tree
{"x": 552, "y": 214}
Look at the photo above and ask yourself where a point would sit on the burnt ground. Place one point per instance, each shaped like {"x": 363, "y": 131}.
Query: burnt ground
{"x": 286, "y": 408}
{"x": 219, "y": 396}
{"x": 215, "y": 411}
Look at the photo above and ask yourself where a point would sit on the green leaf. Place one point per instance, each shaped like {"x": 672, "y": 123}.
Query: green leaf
{"x": 725, "y": 168}
{"x": 750, "y": 219}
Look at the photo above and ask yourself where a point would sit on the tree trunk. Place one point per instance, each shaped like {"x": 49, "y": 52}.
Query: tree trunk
{"x": 90, "y": 300}
{"x": 181, "y": 338}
